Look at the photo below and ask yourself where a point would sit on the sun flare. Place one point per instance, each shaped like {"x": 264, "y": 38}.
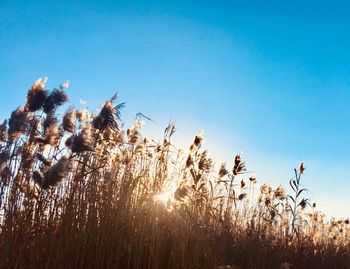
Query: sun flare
{"x": 164, "y": 197}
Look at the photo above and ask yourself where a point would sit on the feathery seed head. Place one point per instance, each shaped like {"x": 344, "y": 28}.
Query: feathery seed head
{"x": 223, "y": 171}
{"x": 198, "y": 139}
{"x": 3, "y": 131}
{"x": 279, "y": 193}
{"x": 252, "y": 180}
{"x": 17, "y": 123}
{"x": 303, "y": 203}
{"x": 242, "y": 196}
{"x": 36, "y": 95}
{"x": 108, "y": 116}
{"x": 56, "y": 98}
{"x": 239, "y": 166}
{"x": 302, "y": 168}
{"x": 189, "y": 161}
{"x": 68, "y": 122}
{"x": 83, "y": 115}
{"x": 55, "y": 173}
{"x": 79, "y": 144}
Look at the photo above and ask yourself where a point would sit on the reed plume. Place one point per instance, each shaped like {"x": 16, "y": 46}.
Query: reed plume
{"x": 56, "y": 98}
{"x": 55, "y": 173}
{"x": 3, "y": 131}
{"x": 68, "y": 121}
{"x": 36, "y": 95}
{"x": 17, "y": 123}
{"x": 238, "y": 166}
{"x": 107, "y": 118}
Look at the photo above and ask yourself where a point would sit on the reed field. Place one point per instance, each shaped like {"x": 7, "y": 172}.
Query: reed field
{"x": 80, "y": 190}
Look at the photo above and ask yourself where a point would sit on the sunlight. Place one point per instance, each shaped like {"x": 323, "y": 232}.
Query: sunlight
{"x": 179, "y": 142}
{"x": 164, "y": 197}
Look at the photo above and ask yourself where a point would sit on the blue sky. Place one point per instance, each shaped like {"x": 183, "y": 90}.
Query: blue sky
{"x": 271, "y": 80}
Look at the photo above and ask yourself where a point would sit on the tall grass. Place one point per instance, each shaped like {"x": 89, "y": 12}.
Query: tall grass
{"x": 82, "y": 191}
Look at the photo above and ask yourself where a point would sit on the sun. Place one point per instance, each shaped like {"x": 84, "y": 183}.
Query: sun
{"x": 164, "y": 197}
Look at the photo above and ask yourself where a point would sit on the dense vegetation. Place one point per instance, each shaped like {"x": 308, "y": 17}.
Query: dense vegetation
{"x": 83, "y": 192}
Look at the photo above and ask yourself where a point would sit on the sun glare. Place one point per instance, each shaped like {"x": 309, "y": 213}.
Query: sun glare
{"x": 164, "y": 197}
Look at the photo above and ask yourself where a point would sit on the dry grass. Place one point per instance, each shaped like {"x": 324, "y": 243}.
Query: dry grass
{"x": 82, "y": 192}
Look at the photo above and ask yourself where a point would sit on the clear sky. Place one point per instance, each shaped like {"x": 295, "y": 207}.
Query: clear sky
{"x": 270, "y": 79}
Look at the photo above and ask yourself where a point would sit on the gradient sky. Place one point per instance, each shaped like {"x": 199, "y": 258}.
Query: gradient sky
{"x": 269, "y": 79}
